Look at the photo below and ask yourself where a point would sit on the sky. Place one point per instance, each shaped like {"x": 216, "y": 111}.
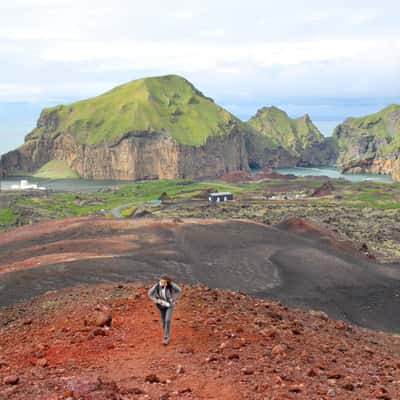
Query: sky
{"x": 330, "y": 59}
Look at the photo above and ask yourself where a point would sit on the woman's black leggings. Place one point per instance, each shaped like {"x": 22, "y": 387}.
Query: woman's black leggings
{"x": 165, "y": 313}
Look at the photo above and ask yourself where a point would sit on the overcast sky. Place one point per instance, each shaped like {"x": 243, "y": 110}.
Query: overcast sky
{"x": 61, "y": 48}
{"x": 238, "y": 52}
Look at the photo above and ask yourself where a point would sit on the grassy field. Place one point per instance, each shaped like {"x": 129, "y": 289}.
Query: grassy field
{"x": 65, "y": 204}
{"x": 77, "y": 204}
{"x": 365, "y": 211}
{"x": 374, "y": 198}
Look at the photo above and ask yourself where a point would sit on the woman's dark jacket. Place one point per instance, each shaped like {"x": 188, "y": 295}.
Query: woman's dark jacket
{"x": 172, "y": 292}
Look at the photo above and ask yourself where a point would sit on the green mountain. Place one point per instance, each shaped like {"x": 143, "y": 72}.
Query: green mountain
{"x": 159, "y": 127}
{"x": 295, "y": 135}
{"x": 299, "y": 136}
{"x": 169, "y": 103}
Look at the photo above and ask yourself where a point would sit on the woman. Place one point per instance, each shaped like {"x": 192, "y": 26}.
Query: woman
{"x": 164, "y": 294}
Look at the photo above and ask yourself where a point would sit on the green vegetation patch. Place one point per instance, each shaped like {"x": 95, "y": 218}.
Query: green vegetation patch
{"x": 7, "y": 217}
{"x": 137, "y": 194}
{"x": 379, "y": 197}
{"x": 66, "y": 204}
{"x": 379, "y": 132}
{"x": 56, "y": 169}
{"x": 385, "y": 122}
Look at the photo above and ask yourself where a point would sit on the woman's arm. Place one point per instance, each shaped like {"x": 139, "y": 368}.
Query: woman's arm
{"x": 151, "y": 293}
{"x": 177, "y": 288}
{"x": 177, "y": 291}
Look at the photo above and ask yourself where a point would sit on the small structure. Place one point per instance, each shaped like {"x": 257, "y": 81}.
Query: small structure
{"x": 25, "y": 185}
{"x": 288, "y": 196}
{"x": 155, "y": 201}
{"x": 217, "y": 197}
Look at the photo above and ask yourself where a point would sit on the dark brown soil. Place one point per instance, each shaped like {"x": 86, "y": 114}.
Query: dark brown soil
{"x": 307, "y": 267}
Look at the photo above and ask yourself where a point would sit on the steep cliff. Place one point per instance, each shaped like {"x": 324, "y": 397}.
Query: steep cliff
{"x": 300, "y": 141}
{"x": 370, "y": 144}
{"x": 160, "y": 127}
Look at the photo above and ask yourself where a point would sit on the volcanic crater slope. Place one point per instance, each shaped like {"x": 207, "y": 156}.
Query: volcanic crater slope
{"x": 296, "y": 263}
{"x": 224, "y": 345}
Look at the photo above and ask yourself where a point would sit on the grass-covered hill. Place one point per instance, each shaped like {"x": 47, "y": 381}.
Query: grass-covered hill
{"x": 295, "y": 135}
{"x": 167, "y": 103}
{"x": 374, "y": 135}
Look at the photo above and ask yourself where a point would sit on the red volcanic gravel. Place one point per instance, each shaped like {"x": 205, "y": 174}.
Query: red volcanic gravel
{"x": 224, "y": 345}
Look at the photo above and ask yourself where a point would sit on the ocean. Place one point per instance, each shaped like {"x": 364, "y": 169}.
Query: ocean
{"x": 334, "y": 172}
{"x": 86, "y": 185}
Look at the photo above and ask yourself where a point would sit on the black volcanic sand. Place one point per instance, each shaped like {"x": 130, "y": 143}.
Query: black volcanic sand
{"x": 302, "y": 271}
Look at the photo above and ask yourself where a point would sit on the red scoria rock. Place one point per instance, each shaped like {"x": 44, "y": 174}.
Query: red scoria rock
{"x": 103, "y": 319}
{"x": 11, "y": 380}
{"x": 278, "y": 349}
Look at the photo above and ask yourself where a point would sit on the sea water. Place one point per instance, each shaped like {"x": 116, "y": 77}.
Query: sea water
{"x": 88, "y": 185}
{"x": 333, "y": 172}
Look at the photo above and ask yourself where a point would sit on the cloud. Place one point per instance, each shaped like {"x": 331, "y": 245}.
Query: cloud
{"x": 71, "y": 48}
{"x": 11, "y": 92}
{"x": 173, "y": 53}
{"x": 362, "y": 18}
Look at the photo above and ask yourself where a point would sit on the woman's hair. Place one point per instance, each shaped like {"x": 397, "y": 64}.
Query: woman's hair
{"x": 166, "y": 278}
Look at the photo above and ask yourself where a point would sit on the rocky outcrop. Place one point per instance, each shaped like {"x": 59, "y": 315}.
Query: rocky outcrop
{"x": 262, "y": 154}
{"x": 370, "y": 166}
{"x": 290, "y": 142}
{"x": 370, "y": 144}
{"x": 396, "y": 170}
{"x": 137, "y": 155}
{"x": 319, "y": 153}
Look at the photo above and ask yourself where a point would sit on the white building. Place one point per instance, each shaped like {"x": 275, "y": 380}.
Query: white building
{"x": 217, "y": 197}
{"x": 25, "y": 185}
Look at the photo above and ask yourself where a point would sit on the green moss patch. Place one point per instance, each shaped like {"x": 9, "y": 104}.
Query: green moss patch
{"x": 56, "y": 169}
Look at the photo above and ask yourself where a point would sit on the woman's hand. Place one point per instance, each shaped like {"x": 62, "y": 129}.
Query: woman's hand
{"x": 159, "y": 301}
